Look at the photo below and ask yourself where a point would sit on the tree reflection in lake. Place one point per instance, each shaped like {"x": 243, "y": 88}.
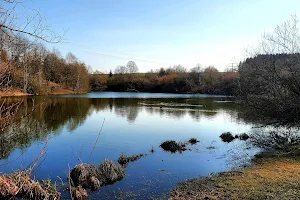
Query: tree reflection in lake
{"x": 131, "y": 126}
{"x": 48, "y": 115}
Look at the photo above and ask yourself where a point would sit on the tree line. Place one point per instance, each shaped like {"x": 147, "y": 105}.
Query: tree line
{"x": 176, "y": 79}
{"x": 34, "y": 69}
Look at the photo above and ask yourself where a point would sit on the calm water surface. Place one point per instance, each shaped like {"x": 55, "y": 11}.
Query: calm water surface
{"x": 134, "y": 123}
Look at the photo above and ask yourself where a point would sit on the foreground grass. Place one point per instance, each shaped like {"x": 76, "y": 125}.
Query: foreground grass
{"x": 21, "y": 185}
{"x": 272, "y": 177}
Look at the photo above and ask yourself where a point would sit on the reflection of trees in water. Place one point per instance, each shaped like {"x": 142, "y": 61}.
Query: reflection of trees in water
{"x": 197, "y": 115}
{"x": 179, "y": 113}
{"x": 169, "y": 112}
{"x": 48, "y": 116}
{"x": 127, "y": 108}
{"x": 21, "y": 136}
{"x": 63, "y": 111}
{"x": 51, "y": 114}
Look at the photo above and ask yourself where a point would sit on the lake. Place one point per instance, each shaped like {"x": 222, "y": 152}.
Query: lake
{"x": 134, "y": 123}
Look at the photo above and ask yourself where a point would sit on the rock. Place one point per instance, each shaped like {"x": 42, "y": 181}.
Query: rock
{"x": 79, "y": 193}
{"x": 110, "y": 172}
{"x": 85, "y": 175}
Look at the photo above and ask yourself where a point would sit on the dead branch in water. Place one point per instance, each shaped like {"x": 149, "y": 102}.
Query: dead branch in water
{"x": 96, "y": 141}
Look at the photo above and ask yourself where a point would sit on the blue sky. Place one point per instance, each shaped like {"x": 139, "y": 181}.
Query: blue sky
{"x": 161, "y": 33}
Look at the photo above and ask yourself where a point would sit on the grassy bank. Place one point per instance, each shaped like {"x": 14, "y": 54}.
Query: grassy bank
{"x": 270, "y": 177}
{"x": 19, "y": 93}
{"x": 13, "y": 92}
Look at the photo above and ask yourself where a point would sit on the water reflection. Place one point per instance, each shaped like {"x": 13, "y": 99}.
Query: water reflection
{"x": 132, "y": 126}
{"x": 49, "y": 115}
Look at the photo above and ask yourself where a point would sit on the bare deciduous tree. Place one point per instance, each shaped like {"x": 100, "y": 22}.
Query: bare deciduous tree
{"x": 196, "y": 73}
{"x": 132, "y": 69}
{"x": 17, "y": 22}
{"x": 269, "y": 81}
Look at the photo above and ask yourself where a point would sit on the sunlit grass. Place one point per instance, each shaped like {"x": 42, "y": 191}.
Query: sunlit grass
{"x": 269, "y": 178}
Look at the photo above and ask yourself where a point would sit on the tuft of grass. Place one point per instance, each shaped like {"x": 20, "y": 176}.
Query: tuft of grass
{"x": 124, "y": 159}
{"x": 152, "y": 150}
{"x": 20, "y": 185}
{"x": 173, "y": 146}
{"x": 193, "y": 141}
{"x": 211, "y": 147}
{"x": 227, "y": 137}
{"x": 244, "y": 136}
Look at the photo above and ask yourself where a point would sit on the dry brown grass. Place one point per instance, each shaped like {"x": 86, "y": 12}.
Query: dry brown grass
{"x": 12, "y": 92}
{"x": 20, "y": 184}
{"x": 53, "y": 90}
{"x": 269, "y": 178}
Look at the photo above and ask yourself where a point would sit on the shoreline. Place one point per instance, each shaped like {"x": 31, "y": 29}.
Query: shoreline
{"x": 22, "y": 94}
{"x": 18, "y": 93}
{"x": 272, "y": 176}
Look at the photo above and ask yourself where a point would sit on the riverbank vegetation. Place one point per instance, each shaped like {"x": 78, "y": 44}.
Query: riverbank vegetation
{"x": 21, "y": 185}
{"x": 174, "y": 79}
